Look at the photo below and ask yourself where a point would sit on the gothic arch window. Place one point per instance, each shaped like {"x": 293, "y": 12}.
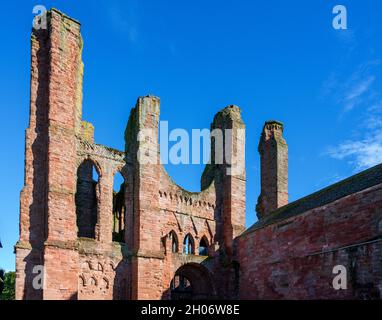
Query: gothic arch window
{"x": 119, "y": 208}
{"x": 174, "y": 242}
{"x": 86, "y": 199}
{"x": 203, "y": 247}
{"x": 188, "y": 244}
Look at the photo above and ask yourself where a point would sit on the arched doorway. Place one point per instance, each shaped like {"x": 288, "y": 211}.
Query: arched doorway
{"x": 192, "y": 281}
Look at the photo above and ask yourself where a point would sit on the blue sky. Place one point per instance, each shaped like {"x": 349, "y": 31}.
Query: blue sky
{"x": 275, "y": 59}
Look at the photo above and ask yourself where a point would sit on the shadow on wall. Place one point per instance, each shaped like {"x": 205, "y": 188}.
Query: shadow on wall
{"x": 37, "y": 209}
{"x": 192, "y": 281}
{"x": 121, "y": 280}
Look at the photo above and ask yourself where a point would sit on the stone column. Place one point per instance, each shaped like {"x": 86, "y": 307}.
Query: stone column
{"x": 65, "y": 65}
{"x": 143, "y": 221}
{"x": 105, "y": 211}
{"x": 274, "y": 169}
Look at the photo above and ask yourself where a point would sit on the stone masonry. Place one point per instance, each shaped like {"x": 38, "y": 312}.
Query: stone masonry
{"x": 151, "y": 239}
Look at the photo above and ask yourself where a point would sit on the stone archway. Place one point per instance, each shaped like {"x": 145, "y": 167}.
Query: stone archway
{"x": 192, "y": 281}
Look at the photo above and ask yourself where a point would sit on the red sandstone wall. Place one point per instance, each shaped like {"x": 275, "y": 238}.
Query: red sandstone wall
{"x": 156, "y": 206}
{"x": 183, "y": 213}
{"x": 103, "y": 274}
{"x": 294, "y": 258}
{"x": 104, "y": 270}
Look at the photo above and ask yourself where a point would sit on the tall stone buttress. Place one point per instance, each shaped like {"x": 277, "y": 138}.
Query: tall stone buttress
{"x": 274, "y": 169}
{"x": 48, "y": 231}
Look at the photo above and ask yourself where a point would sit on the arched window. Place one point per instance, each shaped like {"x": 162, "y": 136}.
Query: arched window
{"x": 119, "y": 208}
{"x": 188, "y": 245}
{"x": 203, "y": 247}
{"x": 86, "y": 199}
{"x": 174, "y": 242}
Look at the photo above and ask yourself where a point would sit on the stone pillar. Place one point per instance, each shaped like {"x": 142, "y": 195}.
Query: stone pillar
{"x": 47, "y": 212}
{"x": 144, "y": 236}
{"x": 232, "y": 175}
{"x": 274, "y": 169}
{"x": 65, "y": 79}
{"x": 105, "y": 222}
{"x": 227, "y": 172}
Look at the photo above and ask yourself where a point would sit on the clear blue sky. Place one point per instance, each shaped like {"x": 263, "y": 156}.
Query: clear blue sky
{"x": 275, "y": 59}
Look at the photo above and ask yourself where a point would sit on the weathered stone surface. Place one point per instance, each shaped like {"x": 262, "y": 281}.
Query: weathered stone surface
{"x": 67, "y": 218}
{"x": 274, "y": 169}
{"x": 294, "y": 257}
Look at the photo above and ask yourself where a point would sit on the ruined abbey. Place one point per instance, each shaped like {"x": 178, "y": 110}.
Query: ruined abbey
{"x": 151, "y": 239}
